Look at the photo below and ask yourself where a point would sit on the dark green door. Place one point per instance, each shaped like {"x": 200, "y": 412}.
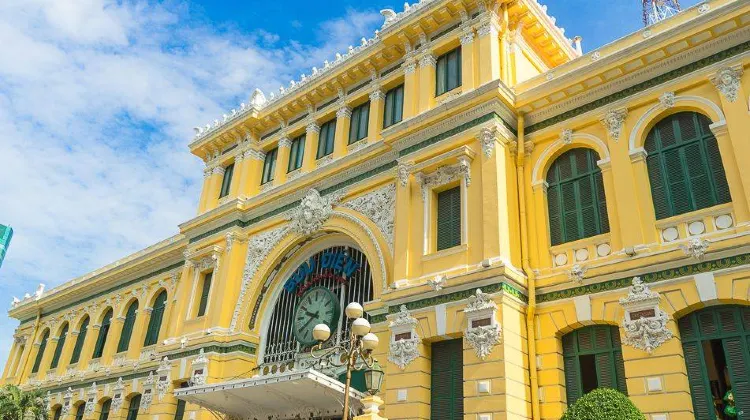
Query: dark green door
{"x": 716, "y": 344}
{"x": 447, "y": 393}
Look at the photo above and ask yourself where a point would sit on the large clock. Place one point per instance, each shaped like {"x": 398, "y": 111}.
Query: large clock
{"x": 317, "y": 306}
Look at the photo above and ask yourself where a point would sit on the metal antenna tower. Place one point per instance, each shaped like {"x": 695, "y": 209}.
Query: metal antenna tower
{"x": 658, "y": 10}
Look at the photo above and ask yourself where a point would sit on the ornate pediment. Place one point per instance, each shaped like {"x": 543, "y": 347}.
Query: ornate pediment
{"x": 312, "y": 212}
{"x": 380, "y": 207}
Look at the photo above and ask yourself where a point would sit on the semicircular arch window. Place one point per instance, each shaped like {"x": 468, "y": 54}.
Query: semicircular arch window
{"x": 336, "y": 277}
{"x": 684, "y": 165}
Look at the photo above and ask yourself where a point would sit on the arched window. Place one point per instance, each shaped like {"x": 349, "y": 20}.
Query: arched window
{"x": 59, "y": 348}
{"x": 154, "y": 324}
{"x": 135, "y": 404}
{"x": 575, "y": 197}
{"x": 101, "y": 340}
{"x": 684, "y": 165}
{"x": 79, "y": 341}
{"x": 80, "y": 411}
{"x": 593, "y": 359}
{"x": 716, "y": 346}
{"x": 127, "y": 327}
{"x": 57, "y": 413}
{"x": 40, "y": 352}
{"x": 104, "y": 414}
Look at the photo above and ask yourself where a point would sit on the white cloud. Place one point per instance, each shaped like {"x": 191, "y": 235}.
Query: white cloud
{"x": 97, "y": 101}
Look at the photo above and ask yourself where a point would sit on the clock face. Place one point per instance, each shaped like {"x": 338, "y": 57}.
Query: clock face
{"x": 317, "y": 306}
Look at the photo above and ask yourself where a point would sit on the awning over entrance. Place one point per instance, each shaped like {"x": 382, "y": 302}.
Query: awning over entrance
{"x": 305, "y": 394}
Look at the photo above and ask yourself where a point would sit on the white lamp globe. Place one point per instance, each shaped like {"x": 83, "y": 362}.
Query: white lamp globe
{"x": 321, "y": 332}
{"x": 370, "y": 341}
{"x": 354, "y": 310}
{"x": 360, "y": 326}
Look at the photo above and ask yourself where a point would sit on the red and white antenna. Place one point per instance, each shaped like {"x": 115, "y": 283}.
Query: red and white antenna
{"x": 658, "y": 10}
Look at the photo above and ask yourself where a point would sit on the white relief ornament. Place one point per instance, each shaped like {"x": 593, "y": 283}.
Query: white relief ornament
{"x": 312, "y": 212}
{"x": 66, "y": 402}
{"x": 727, "y": 81}
{"x": 613, "y": 122}
{"x": 118, "y": 396}
{"x": 148, "y": 392}
{"x": 577, "y": 273}
{"x": 404, "y": 346}
{"x": 380, "y": 207}
{"x": 48, "y": 401}
{"x": 645, "y": 322}
{"x": 487, "y": 138}
{"x": 257, "y": 250}
{"x": 696, "y": 248}
{"x": 483, "y": 332}
{"x": 199, "y": 366}
{"x": 667, "y": 100}
{"x": 444, "y": 175}
{"x": 566, "y": 136}
{"x": 403, "y": 171}
{"x": 438, "y": 283}
{"x": 164, "y": 372}
{"x": 91, "y": 400}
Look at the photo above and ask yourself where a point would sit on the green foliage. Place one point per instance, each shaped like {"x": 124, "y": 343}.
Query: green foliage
{"x": 603, "y": 403}
{"x": 16, "y": 404}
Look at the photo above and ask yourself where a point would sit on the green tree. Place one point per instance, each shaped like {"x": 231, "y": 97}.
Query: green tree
{"x": 16, "y": 404}
{"x": 603, "y": 403}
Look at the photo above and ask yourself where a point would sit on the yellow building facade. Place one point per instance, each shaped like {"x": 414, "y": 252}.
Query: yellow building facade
{"x": 522, "y": 223}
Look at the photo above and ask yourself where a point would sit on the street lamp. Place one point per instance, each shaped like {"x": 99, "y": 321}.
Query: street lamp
{"x": 357, "y": 349}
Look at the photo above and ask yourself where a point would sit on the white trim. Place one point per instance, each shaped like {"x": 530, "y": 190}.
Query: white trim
{"x": 656, "y": 108}
{"x": 557, "y": 145}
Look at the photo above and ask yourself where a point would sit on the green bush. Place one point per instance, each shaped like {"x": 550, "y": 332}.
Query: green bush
{"x": 603, "y": 404}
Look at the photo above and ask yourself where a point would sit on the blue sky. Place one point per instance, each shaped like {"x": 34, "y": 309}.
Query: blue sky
{"x": 98, "y": 99}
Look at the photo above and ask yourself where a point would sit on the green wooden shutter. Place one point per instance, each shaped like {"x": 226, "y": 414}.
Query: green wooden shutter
{"x": 358, "y": 123}
{"x": 573, "y": 386}
{"x": 40, "y": 352}
{"x": 59, "y": 348}
{"x": 322, "y": 141}
{"x": 204, "y": 293}
{"x": 135, "y": 404}
{"x": 79, "y": 341}
{"x": 127, "y": 327}
{"x": 101, "y": 340}
{"x": 692, "y": 350}
{"x": 226, "y": 182}
{"x": 104, "y": 414}
{"x": 394, "y": 106}
{"x": 296, "y": 153}
{"x": 58, "y": 413}
{"x": 684, "y": 165}
{"x": 576, "y": 202}
{"x": 154, "y": 324}
{"x": 79, "y": 411}
{"x": 449, "y": 218}
{"x": 446, "y": 393}
{"x": 180, "y": 411}
{"x": 269, "y": 166}
{"x": 441, "y": 75}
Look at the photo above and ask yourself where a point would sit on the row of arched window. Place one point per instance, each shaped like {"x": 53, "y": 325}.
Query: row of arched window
{"x": 684, "y": 169}
{"x": 151, "y": 337}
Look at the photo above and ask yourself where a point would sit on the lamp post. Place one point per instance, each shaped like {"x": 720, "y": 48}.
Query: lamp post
{"x": 357, "y": 349}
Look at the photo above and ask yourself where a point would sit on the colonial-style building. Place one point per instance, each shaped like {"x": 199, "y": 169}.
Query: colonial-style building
{"x": 522, "y": 222}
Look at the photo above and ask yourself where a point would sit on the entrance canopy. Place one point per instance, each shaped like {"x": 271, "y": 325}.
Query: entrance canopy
{"x": 292, "y": 394}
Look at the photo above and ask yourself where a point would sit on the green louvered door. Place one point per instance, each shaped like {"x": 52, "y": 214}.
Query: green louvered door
{"x": 592, "y": 358}
{"x": 731, "y": 326}
{"x": 449, "y": 218}
{"x": 127, "y": 327}
{"x": 447, "y": 392}
{"x": 154, "y": 324}
{"x": 40, "y": 352}
{"x": 79, "y": 341}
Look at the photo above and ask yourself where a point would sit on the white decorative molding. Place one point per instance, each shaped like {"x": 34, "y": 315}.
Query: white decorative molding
{"x": 312, "y": 212}
{"x": 566, "y": 136}
{"x": 403, "y": 171}
{"x": 257, "y": 250}
{"x": 483, "y": 332}
{"x": 344, "y": 112}
{"x": 118, "y": 395}
{"x": 444, "y": 175}
{"x": 727, "y": 81}
{"x": 427, "y": 60}
{"x": 438, "y": 282}
{"x": 696, "y": 248}
{"x": 199, "y": 370}
{"x": 667, "y": 100}
{"x": 577, "y": 273}
{"x": 404, "y": 346}
{"x": 467, "y": 36}
{"x": 147, "y": 396}
{"x": 613, "y": 121}
{"x": 162, "y": 383}
{"x": 380, "y": 207}
{"x": 90, "y": 400}
{"x": 66, "y": 402}
{"x": 645, "y": 323}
